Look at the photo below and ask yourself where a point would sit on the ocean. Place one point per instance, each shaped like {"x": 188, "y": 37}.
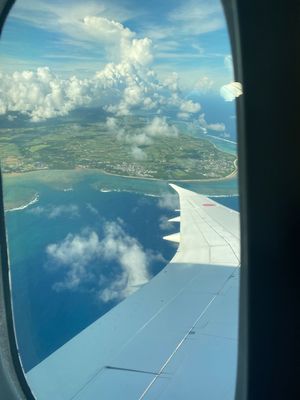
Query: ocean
{"x": 88, "y": 211}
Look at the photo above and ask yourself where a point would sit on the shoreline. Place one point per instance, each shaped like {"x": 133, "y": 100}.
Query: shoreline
{"x": 85, "y": 171}
{"x": 23, "y": 207}
{"x": 222, "y": 139}
{"x": 230, "y": 176}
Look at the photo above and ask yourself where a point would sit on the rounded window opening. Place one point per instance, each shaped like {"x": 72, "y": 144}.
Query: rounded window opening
{"x": 115, "y": 120}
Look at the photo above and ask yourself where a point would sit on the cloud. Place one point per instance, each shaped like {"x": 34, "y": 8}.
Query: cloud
{"x": 141, "y": 139}
{"x": 74, "y": 254}
{"x": 118, "y": 88}
{"x": 105, "y": 30}
{"x": 138, "y": 153}
{"x": 204, "y": 84}
{"x": 169, "y": 201}
{"x": 183, "y": 115}
{"x": 232, "y": 90}
{"x": 11, "y": 118}
{"x": 198, "y": 17}
{"x": 117, "y": 265}
{"x": 172, "y": 82}
{"x": 188, "y": 106}
{"x": 92, "y": 209}
{"x": 124, "y": 84}
{"x": 139, "y": 52}
{"x": 75, "y": 23}
{"x": 52, "y": 212}
{"x": 142, "y": 136}
{"x": 219, "y": 126}
{"x": 130, "y": 87}
{"x": 41, "y": 94}
{"x": 114, "y": 35}
{"x": 111, "y": 123}
{"x": 72, "y": 210}
{"x": 228, "y": 62}
{"x": 164, "y": 224}
{"x": 132, "y": 259}
{"x": 160, "y": 127}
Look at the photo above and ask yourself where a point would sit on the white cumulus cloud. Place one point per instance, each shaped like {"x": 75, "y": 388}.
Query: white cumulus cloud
{"x": 140, "y": 139}
{"x": 41, "y": 94}
{"x": 204, "y": 84}
{"x": 132, "y": 258}
{"x": 81, "y": 256}
{"x": 71, "y": 210}
{"x": 160, "y": 127}
{"x": 188, "y": 106}
{"x": 121, "y": 43}
{"x": 111, "y": 123}
{"x": 169, "y": 201}
{"x": 172, "y": 82}
{"x": 138, "y": 153}
{"x": 219, "y": 126}
{"x": 74, "y": 253}
{"x": 123, "y": 85}
{"x": 183, "y": 115}
{"x": 165, "y": 224}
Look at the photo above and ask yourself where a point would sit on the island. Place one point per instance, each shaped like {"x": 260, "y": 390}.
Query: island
{"x": 70, "y": 146}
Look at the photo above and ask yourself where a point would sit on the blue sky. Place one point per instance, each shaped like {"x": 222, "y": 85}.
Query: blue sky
{"x": 188, "y": 37}
{"x": 118, "y": 55}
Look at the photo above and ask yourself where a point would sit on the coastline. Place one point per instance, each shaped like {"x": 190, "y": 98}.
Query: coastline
{"x": 233, "y": 174}
{"x": 33, "y": 201}
{"x": 222, "y": 139}
{"x": 64, "y": 180}
{"x": 230, "y": 176}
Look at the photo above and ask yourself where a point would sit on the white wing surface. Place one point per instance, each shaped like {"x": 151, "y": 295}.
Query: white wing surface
{"x": 209, "y": 232}
{"x": 175, "y": 338}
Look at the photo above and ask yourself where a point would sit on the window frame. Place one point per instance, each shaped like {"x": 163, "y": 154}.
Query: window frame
{"x": 275, "y": 26}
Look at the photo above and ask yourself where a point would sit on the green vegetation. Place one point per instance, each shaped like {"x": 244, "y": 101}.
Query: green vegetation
{"x": 92, "y": 146}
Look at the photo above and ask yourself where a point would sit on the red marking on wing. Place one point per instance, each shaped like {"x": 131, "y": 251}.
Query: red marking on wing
{"x": 208, "y": 205}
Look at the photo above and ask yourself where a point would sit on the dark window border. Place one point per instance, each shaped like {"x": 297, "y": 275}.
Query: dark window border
{"x": 265, "y": 40}
{"x": 13, "y": 384}
{"x": 265, "y": 44}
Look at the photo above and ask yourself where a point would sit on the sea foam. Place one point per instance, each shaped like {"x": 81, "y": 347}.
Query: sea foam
{"x": 33, "y": 201}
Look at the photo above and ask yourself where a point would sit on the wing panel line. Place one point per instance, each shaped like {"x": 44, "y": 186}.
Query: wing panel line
{"x": 183, "y": 340}
{"x": 218, "y": 233}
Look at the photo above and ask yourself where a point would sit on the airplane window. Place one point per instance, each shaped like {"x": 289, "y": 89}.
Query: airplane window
{"x": 103, "y": 106}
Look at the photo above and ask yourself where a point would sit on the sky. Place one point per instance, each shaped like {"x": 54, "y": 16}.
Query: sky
{"x": 122, "y": 55}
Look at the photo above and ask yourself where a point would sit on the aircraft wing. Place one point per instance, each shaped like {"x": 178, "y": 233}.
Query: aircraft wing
{"x": 175, "y": 338}
{"x": 209, "y": 232}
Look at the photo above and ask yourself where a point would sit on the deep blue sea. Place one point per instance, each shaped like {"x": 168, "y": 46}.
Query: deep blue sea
{"x": 50, "y": 304}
